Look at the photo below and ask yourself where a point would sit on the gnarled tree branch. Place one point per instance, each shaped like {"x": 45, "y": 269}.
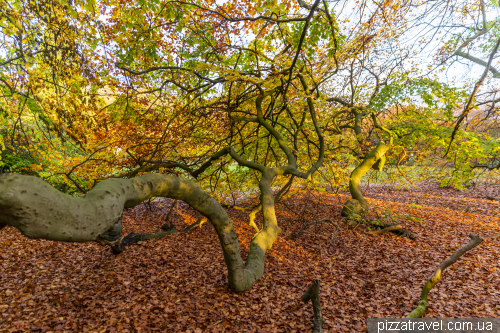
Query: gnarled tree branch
{"x": 40, "y": 211}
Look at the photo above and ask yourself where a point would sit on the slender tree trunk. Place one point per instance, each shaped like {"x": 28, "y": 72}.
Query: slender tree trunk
{"x": 264, "y": 239}
{"x": 375, "y": 159}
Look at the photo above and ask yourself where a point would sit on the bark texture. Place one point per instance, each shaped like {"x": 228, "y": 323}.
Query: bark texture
{"x": 40, "y": 211}
{"x": 374, "y": 159}
{"x": 419, "y": 311}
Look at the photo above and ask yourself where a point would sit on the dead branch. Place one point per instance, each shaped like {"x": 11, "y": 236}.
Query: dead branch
{"x": 305, "y": 225}
{"x": 492, "y": 198}
{"x": 118, "y": 245}
{"x": 436, "y": 277}
{"x": 312, "y": 293}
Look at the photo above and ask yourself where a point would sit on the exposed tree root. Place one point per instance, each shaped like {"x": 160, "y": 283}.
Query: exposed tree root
{"x": 383, "y": 231}
{"x": 398, "y": 231}
{"x": 312, "y": 293}
{"x": 436, "y": 277}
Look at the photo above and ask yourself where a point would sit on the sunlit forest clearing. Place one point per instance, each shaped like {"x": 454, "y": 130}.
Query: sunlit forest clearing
{"x": 247, "y": 166}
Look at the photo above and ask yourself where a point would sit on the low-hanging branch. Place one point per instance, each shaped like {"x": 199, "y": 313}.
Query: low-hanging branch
{"x": 419, "y": 311}
{"x": 38, "y": 210}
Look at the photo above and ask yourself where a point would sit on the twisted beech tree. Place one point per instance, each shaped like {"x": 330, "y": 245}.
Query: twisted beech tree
{"x": 122, "y": 95}
{"x": 44, "y": 212}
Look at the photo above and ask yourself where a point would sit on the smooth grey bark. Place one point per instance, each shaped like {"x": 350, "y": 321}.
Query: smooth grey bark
{"x": 40, "y": 211}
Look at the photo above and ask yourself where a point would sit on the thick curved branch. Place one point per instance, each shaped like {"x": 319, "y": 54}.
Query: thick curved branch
{"x": 249, "y": 164}
{"x": 40, "y": 211}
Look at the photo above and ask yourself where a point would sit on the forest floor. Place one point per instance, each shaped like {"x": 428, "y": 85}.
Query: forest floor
{"x": 179, "y": 283}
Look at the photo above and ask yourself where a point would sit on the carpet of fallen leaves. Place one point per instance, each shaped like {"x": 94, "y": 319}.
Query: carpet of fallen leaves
{"x": 179, "y": 283}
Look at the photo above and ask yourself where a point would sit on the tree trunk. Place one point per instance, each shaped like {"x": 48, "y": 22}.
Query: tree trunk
{"x": 264, "y": 239}
{"x": 375, "y": 159}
